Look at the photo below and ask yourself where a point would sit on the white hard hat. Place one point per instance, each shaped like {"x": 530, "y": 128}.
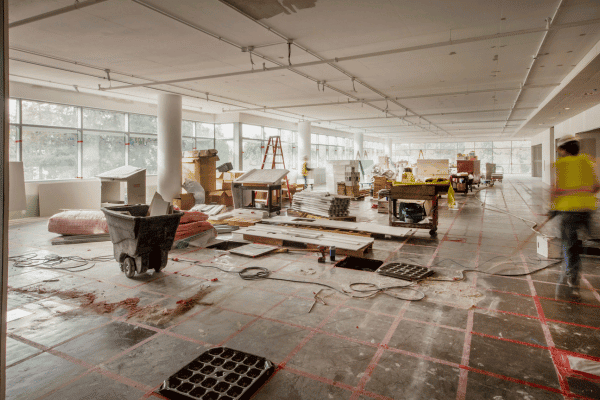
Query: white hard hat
{"x": 566, "y": 139}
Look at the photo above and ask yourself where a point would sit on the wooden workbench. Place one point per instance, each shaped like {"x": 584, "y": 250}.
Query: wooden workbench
{"x": 425, "y": 191}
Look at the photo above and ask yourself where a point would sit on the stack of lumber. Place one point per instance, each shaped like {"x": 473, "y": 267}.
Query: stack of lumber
{"x": 321, "y": 203}
{"x": 379, "y": 183}
{"x": 191, "y": 224}
{"x": 208, "y": 209}
{"x": 352, "y": 245}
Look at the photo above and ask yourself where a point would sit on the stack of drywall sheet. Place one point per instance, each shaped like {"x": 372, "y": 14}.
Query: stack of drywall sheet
{"x": 208, "y": 209}
{"x": 432, "y": 169}
{"x": 278, "y": 235}
{"x": 368, "y": 227}
{"x": 335, "y": 171}
{"x": 321, "y": 203}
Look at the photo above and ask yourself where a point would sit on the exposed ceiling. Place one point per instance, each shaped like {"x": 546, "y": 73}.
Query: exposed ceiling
{"x": 454, "y": 70}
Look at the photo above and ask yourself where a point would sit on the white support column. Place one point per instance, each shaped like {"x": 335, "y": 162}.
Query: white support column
{"x": 388, "y": 147}
{"x": 237, "y": 146}
{"x": 303, "y": 144}
{"x": 358, "y": 145}
{"x": 169, "y": 146}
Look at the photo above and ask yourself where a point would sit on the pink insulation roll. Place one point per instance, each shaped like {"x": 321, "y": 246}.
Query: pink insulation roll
{"x": 78, "y": 222}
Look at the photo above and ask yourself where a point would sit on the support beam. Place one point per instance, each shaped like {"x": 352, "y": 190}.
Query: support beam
{"x": 422, "y": 96}
{"x": 528, "y": 74}
{"x": 4, "y": 119}
{"x": 303, "y": 144}
{"x": 169, "y": 146}
{"x": 424, "y": 115}
{"x": 280, "y": 64}
{"x": 366, "y": 55}
{"x": 358, "y": 145}
{"x": 388, "y": 147}
{"x": 78, "y": 5}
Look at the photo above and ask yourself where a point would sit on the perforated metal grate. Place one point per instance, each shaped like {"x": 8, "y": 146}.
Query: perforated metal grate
{"x": 408, "y": 272}
{"x": 218, "y": 374}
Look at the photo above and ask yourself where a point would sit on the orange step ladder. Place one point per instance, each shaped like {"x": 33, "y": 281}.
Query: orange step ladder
{"x": 274, "y": 143}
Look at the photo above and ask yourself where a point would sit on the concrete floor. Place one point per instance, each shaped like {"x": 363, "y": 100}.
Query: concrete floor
{"x": 486, "y": 338}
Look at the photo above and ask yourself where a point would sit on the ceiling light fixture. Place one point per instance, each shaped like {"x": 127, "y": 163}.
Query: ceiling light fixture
{"x": 567, "y": 108}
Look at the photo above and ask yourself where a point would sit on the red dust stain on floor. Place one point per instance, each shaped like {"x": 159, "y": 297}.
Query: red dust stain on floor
{"x": 154, "y": 313}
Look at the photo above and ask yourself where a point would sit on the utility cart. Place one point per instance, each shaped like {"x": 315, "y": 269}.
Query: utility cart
{"x": 140, "y": 242}
{"x": 411, "y": 192}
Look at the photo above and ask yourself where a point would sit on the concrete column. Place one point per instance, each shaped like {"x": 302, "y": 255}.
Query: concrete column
{"x": 237, "y": 146}
{"x": 303, "y": 143}
{"x": 388, "y": 147}
{"x": 169, "y": 146}
{"x": 358, "y": 145}
{"x": 548, "y": 156}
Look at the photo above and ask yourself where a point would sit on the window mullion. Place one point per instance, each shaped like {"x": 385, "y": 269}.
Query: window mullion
{"x": 19, "y": 138}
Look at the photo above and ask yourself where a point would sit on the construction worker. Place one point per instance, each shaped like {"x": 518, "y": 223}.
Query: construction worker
{"x": 572, "y": 200}
{"x": 305, "y": 170}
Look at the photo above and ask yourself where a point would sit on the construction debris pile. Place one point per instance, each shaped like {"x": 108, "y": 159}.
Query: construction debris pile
{"x": 321, "y": 203}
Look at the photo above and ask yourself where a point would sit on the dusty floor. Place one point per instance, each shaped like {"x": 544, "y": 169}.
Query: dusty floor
{"x": 485, "y": 338}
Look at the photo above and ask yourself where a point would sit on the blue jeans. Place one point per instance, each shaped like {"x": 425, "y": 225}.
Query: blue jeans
{"x": 570, "y": 223}
{"x": 305, "y": 181}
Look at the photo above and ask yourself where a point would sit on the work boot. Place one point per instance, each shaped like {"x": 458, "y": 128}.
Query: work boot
{"x": 573, "y": 283}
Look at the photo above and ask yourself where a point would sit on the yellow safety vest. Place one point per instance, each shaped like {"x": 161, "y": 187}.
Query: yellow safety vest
{"x": 574, "y": 172}
{"x": 304, "y": 169}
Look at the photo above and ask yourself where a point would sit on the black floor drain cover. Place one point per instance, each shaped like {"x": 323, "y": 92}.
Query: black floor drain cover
{"x": 408, "y": 272}
{"x": 218, "y": 374}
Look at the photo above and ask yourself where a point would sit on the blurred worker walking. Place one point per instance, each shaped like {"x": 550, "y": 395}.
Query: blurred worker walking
{"x": 572, "y": 200}
{"x": 305, "y": 170}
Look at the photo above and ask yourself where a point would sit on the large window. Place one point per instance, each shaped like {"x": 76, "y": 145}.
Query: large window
{"x": 49, "y": 153}
{"x": 513, "y": 156}
{"x": 102, "y": 152}
{"x": 57, "y": 141}
{"x": 254, "y": 143}
{"x": 142, "y": 152}
{"x": 224, "y": 142}
{"x": 330, "y": 148}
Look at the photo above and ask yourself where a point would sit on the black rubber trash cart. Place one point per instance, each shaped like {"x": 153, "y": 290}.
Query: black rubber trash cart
{"x": 140, "y": 242}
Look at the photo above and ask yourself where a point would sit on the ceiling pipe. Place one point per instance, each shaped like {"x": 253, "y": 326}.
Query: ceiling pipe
{"x": 365, "y": 55}
{"x": 280, "y": 65}
{"x": 115, "y": 72}
{"x": 467, "y": 92}
{"x": 78, "y": 5}
{"x": 425, "y": 115}
{"x": 535, "y": 57}
{"x": 338, "y": 68}
{"x": 445, "y": 123}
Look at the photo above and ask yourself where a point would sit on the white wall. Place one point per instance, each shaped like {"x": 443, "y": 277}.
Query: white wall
{"x": 583, "y": 122}
{"x": 54, "y": 95}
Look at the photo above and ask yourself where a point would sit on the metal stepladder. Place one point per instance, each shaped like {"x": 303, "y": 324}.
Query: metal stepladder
{"x": 274, "y": 143}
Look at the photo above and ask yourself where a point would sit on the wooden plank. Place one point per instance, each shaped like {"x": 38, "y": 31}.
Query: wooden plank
{"x": 413, "y": 192}
{"x": 305, "y": 236}
{"x": 371, "y": 228}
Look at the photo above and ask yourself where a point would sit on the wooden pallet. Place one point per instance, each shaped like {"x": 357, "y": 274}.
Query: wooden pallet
{"x": 294, "y": 213}
{"x": 345, "y": 252}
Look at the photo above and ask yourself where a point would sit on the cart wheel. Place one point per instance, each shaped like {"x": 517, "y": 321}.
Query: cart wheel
{"x": 278, "y": 212}
{"x": 433, "y": 232}
{"x": 128, "y": 267}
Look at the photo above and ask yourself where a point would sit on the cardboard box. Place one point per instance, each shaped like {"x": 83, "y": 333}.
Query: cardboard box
{"x": 200, "y": 153}
{"x": 549, "y": 247}
{"x": 223, "y": 197}
{"x": 185, "y": 201}
{"x": 202, "y": 170}
{"x": 232, "y": 175}
{"x": 226, "y": 185}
